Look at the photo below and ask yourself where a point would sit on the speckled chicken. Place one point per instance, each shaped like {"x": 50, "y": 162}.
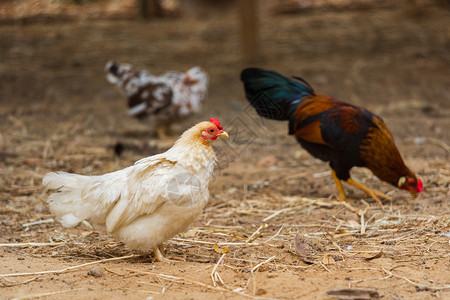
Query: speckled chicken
{"x": 169, "y": 98}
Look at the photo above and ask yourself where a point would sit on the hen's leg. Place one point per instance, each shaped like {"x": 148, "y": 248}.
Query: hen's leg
{"x": 159, "y": 256}
{"x": 161, "y": 249}
{"x": 371, "y": 192}
{"x": 339, "y": 186}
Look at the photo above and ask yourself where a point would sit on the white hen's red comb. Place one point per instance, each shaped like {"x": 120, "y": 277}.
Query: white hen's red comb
{"x": 216, "y": 122}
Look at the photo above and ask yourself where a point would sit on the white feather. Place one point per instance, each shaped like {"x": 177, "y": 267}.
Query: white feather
{"x": 69, "y": 220}
{"x": 135, "y": 110}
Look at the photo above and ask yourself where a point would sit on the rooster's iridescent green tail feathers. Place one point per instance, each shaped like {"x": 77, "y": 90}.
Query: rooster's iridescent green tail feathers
{"x": 273, "y": 95}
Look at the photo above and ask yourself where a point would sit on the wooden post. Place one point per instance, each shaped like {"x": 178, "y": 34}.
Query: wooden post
{"x": 143, "y": 9}
{"x": 147, "y": 9}
{"x": 249, "y": 29}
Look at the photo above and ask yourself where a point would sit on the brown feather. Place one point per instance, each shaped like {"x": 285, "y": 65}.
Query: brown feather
{"x": 381, "y": 155}
{"x": 311, "y": 133}
{"x": 313, "y": 106}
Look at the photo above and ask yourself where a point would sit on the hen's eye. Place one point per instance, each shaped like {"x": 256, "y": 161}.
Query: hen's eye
{"x": 211, "y": 130}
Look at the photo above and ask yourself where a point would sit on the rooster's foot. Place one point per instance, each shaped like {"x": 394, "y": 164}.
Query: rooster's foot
{"x": 339, "y": 186}
{"x": 370, "y": 192}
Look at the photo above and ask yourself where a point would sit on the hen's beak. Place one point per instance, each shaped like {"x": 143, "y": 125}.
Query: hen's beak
{"x": 223, "y": 134}
{"x": 413, "y": 195}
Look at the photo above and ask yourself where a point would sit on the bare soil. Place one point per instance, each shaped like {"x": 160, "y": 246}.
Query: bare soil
{"x": 57, "y": 112}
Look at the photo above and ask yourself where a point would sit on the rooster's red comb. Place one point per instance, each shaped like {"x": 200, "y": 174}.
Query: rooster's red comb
{"x": 419, "y": 187}
{"x": 216, "y": 122}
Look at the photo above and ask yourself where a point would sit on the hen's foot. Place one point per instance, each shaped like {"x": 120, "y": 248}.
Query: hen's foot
{"x": 159, "y": 255}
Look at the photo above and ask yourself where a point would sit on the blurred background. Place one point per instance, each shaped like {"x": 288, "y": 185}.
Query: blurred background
{"x": 391, "y": 56}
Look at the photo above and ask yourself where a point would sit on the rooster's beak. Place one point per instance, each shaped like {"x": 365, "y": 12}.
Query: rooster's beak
{"x": 223, "y": 133}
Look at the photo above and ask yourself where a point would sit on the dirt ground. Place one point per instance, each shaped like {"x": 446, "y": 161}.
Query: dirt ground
{"x": 57, "y": 112}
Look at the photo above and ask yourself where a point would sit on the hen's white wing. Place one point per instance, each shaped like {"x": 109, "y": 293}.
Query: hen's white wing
{"x": 149, "y": 186}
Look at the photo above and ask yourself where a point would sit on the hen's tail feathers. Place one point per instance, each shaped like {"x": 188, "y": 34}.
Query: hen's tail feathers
{"x": 112, "y": 68}
{"x": 68, "y": 203}
{"x": 113, "y": 72}
{"x": 273, "y": 95}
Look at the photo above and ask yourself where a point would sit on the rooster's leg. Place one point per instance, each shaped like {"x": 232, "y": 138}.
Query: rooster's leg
{"x": 371, "y": 192}
{"x": 339, "y": 186}
{"x": 160, "y": 132}
{"x": 169, "y": 130}
{"x": 159, "y": 256}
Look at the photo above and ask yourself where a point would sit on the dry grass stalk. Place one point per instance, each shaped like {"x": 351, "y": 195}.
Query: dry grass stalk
{"x": 262, "y": 263}
{"x": 323, "y": 266}
{"x": 276, "y": 214}
{"x": 113, "y": 272}
{"x": 390, "y": 274}
{"x": 50, "y": 220}
{"x": 32, "y": 244}
{"x": 140, "y": 291}
{"x": 189, "y": 281}
{"x": 275, "y": 235}
{"x": 219, "y": 243}
{"x": 11, "y": 283}
{"x": 69, "y": 268}
{"x": 214, "y": 275}
{"x": 31, "y": 296}
{"x": 257, "y": 233}
{"x": 363, "y": 223}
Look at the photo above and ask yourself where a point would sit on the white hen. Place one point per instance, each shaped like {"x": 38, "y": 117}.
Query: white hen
{"x": 147, "y": 203}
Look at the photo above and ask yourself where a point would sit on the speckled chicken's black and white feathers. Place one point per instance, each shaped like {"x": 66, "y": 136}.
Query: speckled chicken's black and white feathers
{"x": 168, "y": 98}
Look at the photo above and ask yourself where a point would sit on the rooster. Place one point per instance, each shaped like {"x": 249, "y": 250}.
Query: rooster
{"x": 147, "y": 203}
{"x": 345, "y": 135}
{"x": 169, "y": 97}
